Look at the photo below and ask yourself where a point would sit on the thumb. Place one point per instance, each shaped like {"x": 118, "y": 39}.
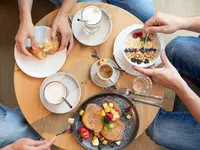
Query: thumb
{"x": 53, "y": 34}
{"x": 155, "y": 29}
{"x": 33, "y": 42}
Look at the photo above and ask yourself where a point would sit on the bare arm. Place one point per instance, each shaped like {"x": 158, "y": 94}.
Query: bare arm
{"x": 190, "y": 99}
{"x": 61, "y": 25}
{"x": 26, "y": 28}
{"x": 167, "y": 23}
{"x": 191, "y": 24}
{"x": 169, "y": 77}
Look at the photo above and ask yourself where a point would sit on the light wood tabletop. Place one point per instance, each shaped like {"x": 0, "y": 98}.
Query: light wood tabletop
{"x": 78, "y": 64}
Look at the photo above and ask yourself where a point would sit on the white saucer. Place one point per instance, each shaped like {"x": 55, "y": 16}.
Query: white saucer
{"x": 92, "y": 39}
{"x": 40, "y": 68}
{"x": 74, "y": 91}
{"x": 101, "y": 83}
{"x": 118, "y": 50}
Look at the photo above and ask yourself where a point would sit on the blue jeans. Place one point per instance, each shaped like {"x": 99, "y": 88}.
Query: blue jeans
{"x": 13, "y": 126}
{"x": 142, "y": 9}
{"x": 179, "y": 130}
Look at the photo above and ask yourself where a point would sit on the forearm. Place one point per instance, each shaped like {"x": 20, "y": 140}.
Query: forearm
{"x": 25, "y": 7}
{"x": 190, "y": 99}
{"x": 9, "y": 147}
{"x": 190, "y": 23}
{"x": 66, "y": 7}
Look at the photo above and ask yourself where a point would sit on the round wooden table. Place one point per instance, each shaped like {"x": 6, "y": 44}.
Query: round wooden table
{"x": 78, "y": 64}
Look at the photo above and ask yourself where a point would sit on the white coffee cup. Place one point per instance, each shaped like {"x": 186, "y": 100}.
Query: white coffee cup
{"x": 93, "y": 16}
{"x": 54, "y": 91}
{"x": 105, "y": 72}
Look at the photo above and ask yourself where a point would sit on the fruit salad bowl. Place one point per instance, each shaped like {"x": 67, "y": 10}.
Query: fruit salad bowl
{"x": 139, "y": 54}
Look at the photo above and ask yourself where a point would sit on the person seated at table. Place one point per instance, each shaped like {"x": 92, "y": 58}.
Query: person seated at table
{"x": 143, "y": 9}
{"x": 17, "y": 134}
{"x": 177, "y": 130}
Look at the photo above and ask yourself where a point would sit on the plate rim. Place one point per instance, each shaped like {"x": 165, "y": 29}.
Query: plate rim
{"x": 105, "y": 94}
{"x": 45, "y": 80}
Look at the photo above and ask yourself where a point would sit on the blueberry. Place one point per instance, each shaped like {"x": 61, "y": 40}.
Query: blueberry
{"x": 146, "y": 61}
{"x": 106, "y": 119}
{"x": 142, "y": 50}
{"x": 126, "y": 50}
{"x": 139, "y": 61}
{"x": 100, "y": 146}
{"x": 112, "y": 144}
{"x": 154, "y": 50}
{"x": 133, "y": 60}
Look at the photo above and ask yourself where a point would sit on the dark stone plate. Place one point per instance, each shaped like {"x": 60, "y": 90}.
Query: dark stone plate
{"x": 131, "y": 126}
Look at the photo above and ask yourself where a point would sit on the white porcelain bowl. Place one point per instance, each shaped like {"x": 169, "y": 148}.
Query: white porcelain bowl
{"x": 160, "y": 45}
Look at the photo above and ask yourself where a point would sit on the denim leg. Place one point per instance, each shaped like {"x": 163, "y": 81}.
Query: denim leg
{"x": 142, "y": 9}
{"x": 13, "y": 126}
{"x": 175, "y": 131}
{"x": 59, "y": 2}
{"x": 184, "y": 54}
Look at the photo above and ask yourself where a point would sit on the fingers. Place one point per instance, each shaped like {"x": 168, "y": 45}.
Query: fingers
{"x": 71, "y": 45}
{"x": 22, "y": 48}
{"x": 147, "y": 72}
{"x": 53, "y": 33}
{"x": 64, "y": 41}
{"x": 47, "y": 145}
{"x": 38, "y": 143}
{"x": 33, "y": 42}
{"x": 155, "y": 29}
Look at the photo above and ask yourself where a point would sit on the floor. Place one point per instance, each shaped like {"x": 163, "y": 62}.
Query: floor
{"x": 9, "y": 25}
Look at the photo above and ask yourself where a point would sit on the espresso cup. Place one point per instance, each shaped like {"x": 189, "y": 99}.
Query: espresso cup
{"x": 105, "y": 72}
{"x": 93, "y": 16}
{"x": 54, "y": 91}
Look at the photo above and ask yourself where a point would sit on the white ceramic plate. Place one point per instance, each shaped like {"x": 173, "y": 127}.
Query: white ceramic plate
{"x": 99, "y": 82}
{"x": 74, "y": 90}
{"x": 92, "y": 39}
{"x": 40, "y": 68}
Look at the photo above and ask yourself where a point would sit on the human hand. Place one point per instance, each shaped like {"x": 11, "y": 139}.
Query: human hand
{"x": 61, "y": 25}
{"x": 25, "y": 31}
{"x": 167, "y": 76}
{"x": 163, "y": 23}
{"x": 28, "y": 144}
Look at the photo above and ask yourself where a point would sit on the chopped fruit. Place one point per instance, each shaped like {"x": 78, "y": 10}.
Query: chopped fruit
{"x": 128, "y": 117}
{"x": 105, "y": 142}
{"x": 108, "y": 126}
{"x": 82, "y": 130}
{"x": 103, "y": 113}
{"x": 112, "y": 111}
{"x": 110, "y": 116}
{"x": 111, "y": 126}
{"x": 118, "y": 143}
{"x": 105, "y": 127}
{"x": 71, "y": 120}
{"x": 107, "y": 109}
{"x": 128, "y": 109}
{"x": 107, "y": 119}
{"x": 110, "y": 105}
{"x": 116, "y": 116}
{"x": 105, "y": 105}
{"x": 95, "y": 141}
{"x": 84, "y": 133}
{"x": 136, "y": 35}
{"x": 101, "y": 138}
{"x": 81, "y": 112}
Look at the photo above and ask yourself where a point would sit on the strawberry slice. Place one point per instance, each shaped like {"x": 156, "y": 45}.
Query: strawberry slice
{"x": 82, "y": 130}
{"x": 136, "y": 35}
{"x": 110, "y": 116}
